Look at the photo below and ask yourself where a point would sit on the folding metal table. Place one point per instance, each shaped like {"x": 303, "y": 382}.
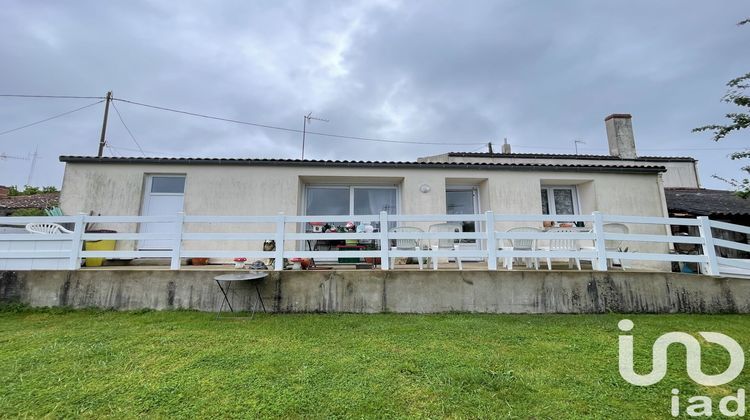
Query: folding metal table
{"x": 252, "y": 276}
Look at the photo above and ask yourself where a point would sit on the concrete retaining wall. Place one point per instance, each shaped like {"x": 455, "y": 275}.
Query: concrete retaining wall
{"x": 379, "y": 291}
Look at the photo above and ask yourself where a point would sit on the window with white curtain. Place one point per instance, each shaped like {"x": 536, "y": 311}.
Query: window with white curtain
{"x": 559, "y": 200}
{"x": 350, "y": 200}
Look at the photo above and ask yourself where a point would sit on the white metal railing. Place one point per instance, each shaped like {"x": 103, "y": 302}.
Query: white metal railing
{"x": 64, "y": 251}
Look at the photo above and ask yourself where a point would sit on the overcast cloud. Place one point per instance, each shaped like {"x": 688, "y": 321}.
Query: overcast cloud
{"x": 540, "y": 73}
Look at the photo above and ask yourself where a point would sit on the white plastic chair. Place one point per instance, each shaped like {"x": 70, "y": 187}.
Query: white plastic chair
{"x": 611, "y": 245}
{"x": 46, "y": 228}
{"x": 406, "y": 244}
{"x": 521, "y": 245}
{"x": 563, "y": 245}
{"x": 446, "y": 243}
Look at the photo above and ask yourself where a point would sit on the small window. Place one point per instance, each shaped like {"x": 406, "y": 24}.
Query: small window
{"x": 559, "y": 200}
{"x": 168, "y": 184}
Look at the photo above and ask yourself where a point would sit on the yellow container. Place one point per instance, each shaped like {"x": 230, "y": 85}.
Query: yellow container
{"x": 103, "y": 245}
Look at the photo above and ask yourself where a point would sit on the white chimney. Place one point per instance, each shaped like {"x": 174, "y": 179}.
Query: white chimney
{"x": 506, "y": 147}
{"x": 620, "y": 136}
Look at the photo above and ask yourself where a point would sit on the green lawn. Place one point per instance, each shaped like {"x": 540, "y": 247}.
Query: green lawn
{"x": 187, "y": 364}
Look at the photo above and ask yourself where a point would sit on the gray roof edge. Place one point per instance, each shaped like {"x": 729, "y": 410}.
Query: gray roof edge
{"x": 359, "y": 164}
{"x": 567, "y": 156}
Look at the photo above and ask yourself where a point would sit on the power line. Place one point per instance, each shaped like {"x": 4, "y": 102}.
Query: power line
{"x": 128, "y": 129}
{"x": 291, "y": 130}
{"x": 50, "y": 118}
{"x": 50, "y": 96}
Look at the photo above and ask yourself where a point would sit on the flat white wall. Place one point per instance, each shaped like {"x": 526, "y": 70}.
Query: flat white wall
{"x": 117, "y": 189}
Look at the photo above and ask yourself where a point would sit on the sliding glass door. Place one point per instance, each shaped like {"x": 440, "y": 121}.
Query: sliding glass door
{"x": 464, "y": 200}
{"x": 324, "y": 200}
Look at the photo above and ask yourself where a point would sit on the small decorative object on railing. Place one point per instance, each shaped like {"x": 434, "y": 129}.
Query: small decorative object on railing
{"x": 296, "y": 263}
{"x": 239, "y": 262}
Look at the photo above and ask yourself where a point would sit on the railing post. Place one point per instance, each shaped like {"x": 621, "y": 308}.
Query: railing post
{"x": 75, "y": 250}
{"x": 491, "y": 241}
{"x": 278, "y": 262}
{"x": 599, "y": 244}
{"x": 177, "y": 245}
{"x": 709, "y": 248}
{"x": 385, "y": 246}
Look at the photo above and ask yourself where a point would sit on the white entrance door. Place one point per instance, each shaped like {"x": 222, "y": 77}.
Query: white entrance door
{"x": 164, "y": 196}
{"x": 464, "y": 200}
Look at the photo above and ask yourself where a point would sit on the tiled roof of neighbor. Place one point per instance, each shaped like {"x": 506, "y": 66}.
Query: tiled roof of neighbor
{"x": 703, "y": 202}
{"x": 363, "y": 164}
{"x": 36, "y": 201}
{"x": 567, "y": 156}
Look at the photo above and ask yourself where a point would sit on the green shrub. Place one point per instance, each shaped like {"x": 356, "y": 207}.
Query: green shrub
{"x": 29, "y": 212}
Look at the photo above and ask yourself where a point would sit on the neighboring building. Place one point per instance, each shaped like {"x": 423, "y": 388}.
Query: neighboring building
{"x": 719, "y": 205}
{"x": 11, "y": 204}
{"x": 680, "y": 171}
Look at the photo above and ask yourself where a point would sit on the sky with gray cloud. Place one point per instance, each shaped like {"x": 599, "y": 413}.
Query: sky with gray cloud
{"x": 540, "y": 73}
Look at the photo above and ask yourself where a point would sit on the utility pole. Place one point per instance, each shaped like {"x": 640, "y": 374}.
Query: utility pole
{"x": 104, "y": 123}
{"x": 489, "y": 145}
{"x": 307, "y": 120}
{"x": 33, "y": 164}
{"x": 575, "y": 143}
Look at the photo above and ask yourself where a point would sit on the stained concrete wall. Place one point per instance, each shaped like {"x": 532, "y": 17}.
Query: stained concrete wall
{"x": 378, "y": 291}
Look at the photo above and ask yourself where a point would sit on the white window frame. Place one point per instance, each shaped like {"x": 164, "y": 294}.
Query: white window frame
{"x": 351, "y": 188}
{"x": 551, "y": 197}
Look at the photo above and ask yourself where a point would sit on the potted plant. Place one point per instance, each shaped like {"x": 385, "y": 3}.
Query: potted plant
{"x": 199, "y": 261}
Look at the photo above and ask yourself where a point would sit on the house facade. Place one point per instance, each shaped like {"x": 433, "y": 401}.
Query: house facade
{"x": 157, "y": 186}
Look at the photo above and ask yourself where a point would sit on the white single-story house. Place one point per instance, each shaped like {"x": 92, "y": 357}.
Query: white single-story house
{"x": 135, "y": 186}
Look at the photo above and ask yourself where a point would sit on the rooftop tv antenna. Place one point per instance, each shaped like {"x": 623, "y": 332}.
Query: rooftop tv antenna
{"x": 3, "y": 156}
{"x": 575, "y": 143}
{"x": 308, "y": 120}
{"x": 33, "y": 164}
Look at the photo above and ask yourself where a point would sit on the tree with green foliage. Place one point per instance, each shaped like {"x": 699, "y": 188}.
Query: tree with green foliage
{"x": 13, "y": 190}
{"x": 29, "y": 212}
{"x": 738, "y": 95}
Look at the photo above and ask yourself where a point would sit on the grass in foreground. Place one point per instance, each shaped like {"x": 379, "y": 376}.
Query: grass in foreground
{"x": 186, "y": 364}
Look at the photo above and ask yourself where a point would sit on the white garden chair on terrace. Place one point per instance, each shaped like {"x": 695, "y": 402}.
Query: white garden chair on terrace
{"x": 443, "y": 244}
{"x": 46, "y": 228}
{"x": 563, "y": 245}
{"x": 521, "y": 245}
{"x": 410, "y": 244}
{"x": 611, "y": 245}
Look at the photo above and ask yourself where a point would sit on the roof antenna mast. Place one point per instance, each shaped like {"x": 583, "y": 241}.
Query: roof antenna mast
{"x": 307, "y": 120}
{"x": 576, "y": 142}
{"x": 33, "y": 164}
